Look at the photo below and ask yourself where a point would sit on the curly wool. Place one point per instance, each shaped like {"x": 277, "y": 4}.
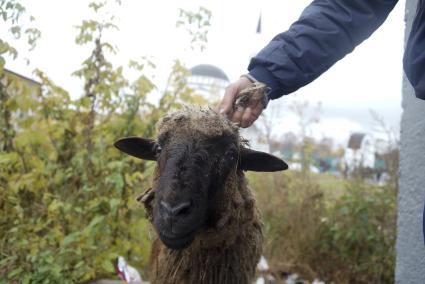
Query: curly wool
{"x": 196, "y": 120}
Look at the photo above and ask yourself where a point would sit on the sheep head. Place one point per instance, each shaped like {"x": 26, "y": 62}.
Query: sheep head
{"x": 196, "y": 151}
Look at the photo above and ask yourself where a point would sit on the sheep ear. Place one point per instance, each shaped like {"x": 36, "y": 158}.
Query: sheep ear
{"x": 138, "y": 147}
{"x": 251, "y": 160}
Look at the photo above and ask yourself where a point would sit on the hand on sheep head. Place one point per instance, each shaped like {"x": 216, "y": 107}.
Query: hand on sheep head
{"x": 243, "y": 101}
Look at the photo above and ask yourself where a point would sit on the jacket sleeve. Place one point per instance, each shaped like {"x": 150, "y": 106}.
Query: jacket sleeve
{"x": 326, "y": 31}
{"x": 414, "y": 55}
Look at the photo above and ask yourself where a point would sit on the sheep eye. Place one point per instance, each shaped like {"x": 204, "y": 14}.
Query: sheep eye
{"x": 157, "y": 149}
{"x": 231, "y": 155}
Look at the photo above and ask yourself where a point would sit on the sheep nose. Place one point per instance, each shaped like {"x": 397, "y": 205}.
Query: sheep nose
{"x": 177, "y": 210}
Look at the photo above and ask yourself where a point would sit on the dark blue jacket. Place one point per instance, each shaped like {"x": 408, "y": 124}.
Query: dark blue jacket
{"x": 326, "y": 31}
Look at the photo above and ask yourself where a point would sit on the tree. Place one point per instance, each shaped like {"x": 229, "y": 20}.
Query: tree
{"x": 268, "y": 120}
{"x": 11, "y": 13}
{"x": 307, "y": 116}
{"x": 391, "y": 155}
{"x": 67, "y": 197}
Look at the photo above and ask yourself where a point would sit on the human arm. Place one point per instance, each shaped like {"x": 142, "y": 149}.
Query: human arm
{"x": 326, "y": 31}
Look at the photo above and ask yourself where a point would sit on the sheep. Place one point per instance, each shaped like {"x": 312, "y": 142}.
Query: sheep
{"x": 200, "y": 205}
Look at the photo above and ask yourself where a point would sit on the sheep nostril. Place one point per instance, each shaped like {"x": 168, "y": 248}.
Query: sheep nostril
{"x": 181, "y": 209}
{"x": 178, "y": 210}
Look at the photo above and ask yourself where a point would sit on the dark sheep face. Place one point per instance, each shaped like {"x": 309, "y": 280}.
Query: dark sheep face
{"x": 192, "y": 175}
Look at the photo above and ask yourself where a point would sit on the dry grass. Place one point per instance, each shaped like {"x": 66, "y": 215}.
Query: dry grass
{"x": 292, "y": 206}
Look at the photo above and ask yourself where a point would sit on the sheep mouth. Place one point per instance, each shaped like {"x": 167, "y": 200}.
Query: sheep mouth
{"x": 177, "y": 242}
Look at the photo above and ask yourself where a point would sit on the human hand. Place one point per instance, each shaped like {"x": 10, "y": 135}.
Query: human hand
{"x": 244, "y": 114}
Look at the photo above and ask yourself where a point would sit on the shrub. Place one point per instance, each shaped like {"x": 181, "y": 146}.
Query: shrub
{"x": 348, "y": 237}
{"x": 357, "y": 238}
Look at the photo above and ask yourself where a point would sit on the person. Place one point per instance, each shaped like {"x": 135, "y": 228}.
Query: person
{"x": 326, "y": 31}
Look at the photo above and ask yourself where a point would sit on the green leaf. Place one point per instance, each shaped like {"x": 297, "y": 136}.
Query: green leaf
{"x": 26, "y": 279}
{"x": 16, "y": 31}
{"x": 71, "y": 238}
{"x": 6, "y": 260}
{"x": 15, "y": 272}
{"x": 115, "y": 180}
{"x": 108, "y": 266}
{"x": 8, "y": 159}
{"x": 114, "y": 203}
{"x": 96, "y": 220}
{"x": 2, "y": 63}
{"x": 55, "y": 205}
{"x": 79, "y": 264}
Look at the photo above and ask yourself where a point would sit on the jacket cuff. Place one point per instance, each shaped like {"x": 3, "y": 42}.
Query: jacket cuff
{"x": 262, "y": 75}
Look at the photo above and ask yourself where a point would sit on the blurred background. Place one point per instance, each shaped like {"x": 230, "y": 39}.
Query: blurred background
{"x": 76, "y": 76}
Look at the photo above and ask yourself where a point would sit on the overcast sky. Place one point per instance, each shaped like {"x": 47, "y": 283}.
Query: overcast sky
{"x": 368, "y": 79}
